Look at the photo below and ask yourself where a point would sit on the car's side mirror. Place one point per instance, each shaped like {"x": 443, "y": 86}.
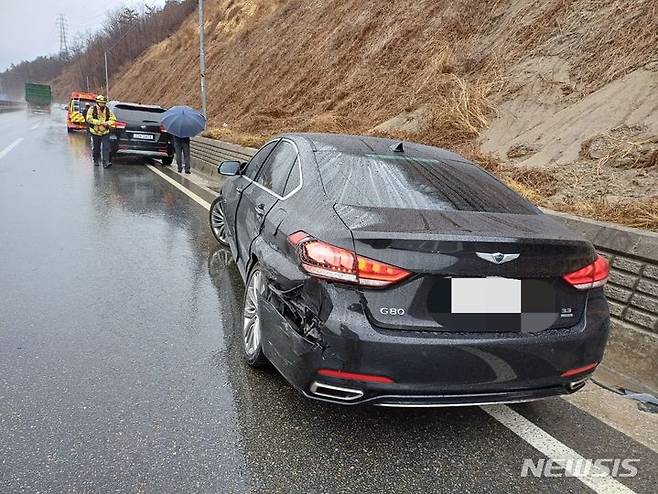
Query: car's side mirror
{"x": 229, "y": 168}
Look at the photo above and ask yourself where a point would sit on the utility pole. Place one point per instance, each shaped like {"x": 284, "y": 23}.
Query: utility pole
{"x": 202, "y": 61}
{"x": 107, "y": 79}
{"x": 87, "y": 83}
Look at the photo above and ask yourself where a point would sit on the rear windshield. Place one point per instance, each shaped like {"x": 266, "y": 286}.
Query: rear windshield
{"x": 79, "y": 104}
{"x": 131, "y": 113}
{"x": 399, "y": 181}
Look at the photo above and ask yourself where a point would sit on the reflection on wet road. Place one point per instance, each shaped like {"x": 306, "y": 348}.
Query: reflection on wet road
{"x": 120, "y": 368}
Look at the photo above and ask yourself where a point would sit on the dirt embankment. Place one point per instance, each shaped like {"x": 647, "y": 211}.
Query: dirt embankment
{"x": 558, "y": 97}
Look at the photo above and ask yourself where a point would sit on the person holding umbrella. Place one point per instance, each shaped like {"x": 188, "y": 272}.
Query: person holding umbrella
{"x": 182, "y": 149}
{"x": 183, "y": 122}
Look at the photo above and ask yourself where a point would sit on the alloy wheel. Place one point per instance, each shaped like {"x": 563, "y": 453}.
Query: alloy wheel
{"x": 251, "y": 324}
{"x": 218, "y": 223}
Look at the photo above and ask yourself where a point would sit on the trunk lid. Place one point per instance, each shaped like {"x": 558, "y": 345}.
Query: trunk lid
{"x": 454, "y": 287}
{"x": 142, "y": 131}
{"x": 142, "y": 123}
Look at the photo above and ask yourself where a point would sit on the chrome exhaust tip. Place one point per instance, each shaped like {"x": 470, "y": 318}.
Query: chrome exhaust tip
{"x": 577, "y": 384}
{"x": 335, "y": 392}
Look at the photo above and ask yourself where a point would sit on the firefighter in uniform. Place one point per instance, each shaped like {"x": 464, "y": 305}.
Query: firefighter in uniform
{"x": 100, "y": 120}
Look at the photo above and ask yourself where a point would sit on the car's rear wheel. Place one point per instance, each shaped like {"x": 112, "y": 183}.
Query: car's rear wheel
{"x": 167, "y": 161}
{"x": 218, "y": 221}
{"x": 251, "y": 322}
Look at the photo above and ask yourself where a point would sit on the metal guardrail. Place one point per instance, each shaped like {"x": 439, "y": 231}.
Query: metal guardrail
{"x": 207, "y": 153}
{"x": 7, "y": 106}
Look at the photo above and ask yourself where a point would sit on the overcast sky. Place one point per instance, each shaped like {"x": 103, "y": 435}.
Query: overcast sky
{"x": 28, "y": 28}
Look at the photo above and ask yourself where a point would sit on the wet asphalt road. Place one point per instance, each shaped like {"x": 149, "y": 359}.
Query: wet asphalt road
{"x": 120, "y": 369}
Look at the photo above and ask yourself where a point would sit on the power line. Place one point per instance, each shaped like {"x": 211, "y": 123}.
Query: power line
{"x": 63, "y": 45}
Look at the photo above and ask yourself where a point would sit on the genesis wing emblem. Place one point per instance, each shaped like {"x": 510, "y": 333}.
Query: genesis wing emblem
{"x": 497, "y": 257}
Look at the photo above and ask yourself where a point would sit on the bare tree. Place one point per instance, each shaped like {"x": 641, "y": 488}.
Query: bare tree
{"x": 126, "y": 34}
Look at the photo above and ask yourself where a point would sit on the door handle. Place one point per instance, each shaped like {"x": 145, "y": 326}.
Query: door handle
{"x": 260, "y": 210}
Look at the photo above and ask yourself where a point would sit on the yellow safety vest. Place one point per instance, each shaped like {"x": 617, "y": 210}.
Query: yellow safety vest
{"x": 100, "y": 121}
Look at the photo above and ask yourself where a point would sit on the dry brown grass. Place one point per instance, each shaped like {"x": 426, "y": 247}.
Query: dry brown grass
{"x": 487, "y": 161}
{"x": 340, "y": 67}
{"x": 538, "y": 187}
{"x": 639, "y": 213}
{"x": 533, "y": 184}
{"x": 526, "y": 191}
{"x": 346, "y": 66}
{"x": 371, "y": 60}
{"x": 343, "y": 66}
{"x": 467, "y": 108}
{"x": 237, "y": 137}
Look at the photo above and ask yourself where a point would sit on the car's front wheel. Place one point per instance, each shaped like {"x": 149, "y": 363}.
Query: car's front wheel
{"x": 218, "y": 221}
{"x": 252, "y": 336}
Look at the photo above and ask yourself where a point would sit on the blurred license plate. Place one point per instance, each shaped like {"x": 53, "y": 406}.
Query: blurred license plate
{"x": 485, "y": 296}
{"x": 146, "y": 137}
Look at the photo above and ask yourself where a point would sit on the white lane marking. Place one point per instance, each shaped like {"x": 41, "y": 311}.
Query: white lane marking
{"x": 34, "y": 127}
{"x": 597, "y": 479}
{"x": 183, "y": 189}
{"x": 6, "y": 150}
{"x": 517, "y": 423}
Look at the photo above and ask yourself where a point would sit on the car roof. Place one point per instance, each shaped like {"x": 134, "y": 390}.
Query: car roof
{"x": 359, "y": 144}
{"x": 82, "y": 95}
{"x": 136, "y": 105}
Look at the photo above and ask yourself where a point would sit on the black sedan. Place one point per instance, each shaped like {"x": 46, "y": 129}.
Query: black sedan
{"x": 399, "y": 274}
{"x": 138, "y": 132}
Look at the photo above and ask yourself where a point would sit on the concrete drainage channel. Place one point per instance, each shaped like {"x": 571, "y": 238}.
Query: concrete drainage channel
{"x": 632, "y": 289}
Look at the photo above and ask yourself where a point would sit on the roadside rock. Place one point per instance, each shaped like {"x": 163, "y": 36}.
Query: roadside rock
{"x": 625, "y": 146}
{"x": 519, "y": 151}
{"x": 595, "y": 148}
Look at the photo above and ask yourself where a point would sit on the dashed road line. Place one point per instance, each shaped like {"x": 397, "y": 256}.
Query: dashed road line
{"x": 596, "y": 479}
{"x": 6, "y": 150}
{"x": 180, "y": 187}
{"x": 36, "y": 125}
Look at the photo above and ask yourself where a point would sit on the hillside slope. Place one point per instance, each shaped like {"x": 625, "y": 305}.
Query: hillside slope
{"x": 556, "y": 96}
{"x": 125, "y": 35}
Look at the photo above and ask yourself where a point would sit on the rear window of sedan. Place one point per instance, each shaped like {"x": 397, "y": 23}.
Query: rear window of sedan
{"x": 137, "y": 113}
{"x": 408, "y": 182}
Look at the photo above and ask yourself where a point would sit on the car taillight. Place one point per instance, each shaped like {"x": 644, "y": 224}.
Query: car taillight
{"x": 355, "y": 376}
{"x": 162, "y": 129}
{"x": 335, "y": 263}
{"x": 591, "y": 276}
{"x": 580, "y": 370}
{"x": 120, "y": 125}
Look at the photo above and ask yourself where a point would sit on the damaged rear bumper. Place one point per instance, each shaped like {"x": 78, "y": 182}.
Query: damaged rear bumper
{"x": 427, "y": 369}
